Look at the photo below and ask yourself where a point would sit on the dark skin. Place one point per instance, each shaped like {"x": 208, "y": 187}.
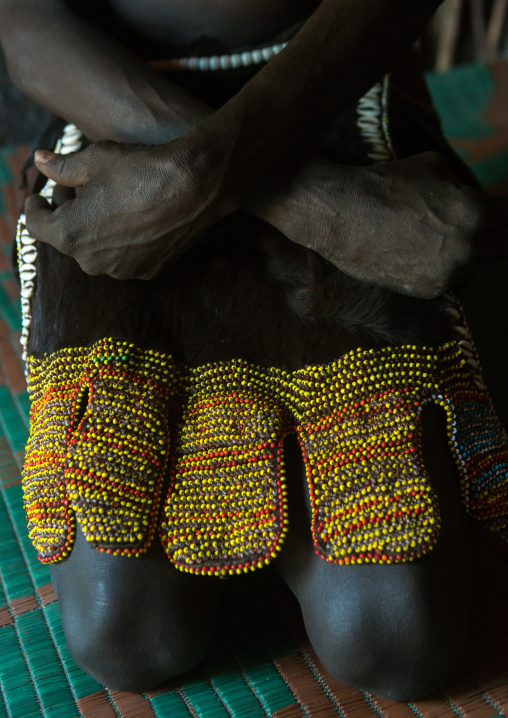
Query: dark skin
{"x": 396, "y": 631}
{"x": 210, "y": 166}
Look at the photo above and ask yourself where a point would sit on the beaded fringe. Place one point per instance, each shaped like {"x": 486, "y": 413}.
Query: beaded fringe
{"x": 99, "y": 448}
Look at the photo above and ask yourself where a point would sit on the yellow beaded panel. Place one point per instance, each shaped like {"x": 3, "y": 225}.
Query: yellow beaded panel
{"x": 371, "y": 497}
{"x": 227, "y": 510}
{"x": 358, "y": 421}
{"x": 106, "y": 471}
{"x": 54, "y": 385}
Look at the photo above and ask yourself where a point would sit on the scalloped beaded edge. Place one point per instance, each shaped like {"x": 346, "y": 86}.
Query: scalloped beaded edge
{"x": 311, "y": 399}
{"x": 70, "y": 141}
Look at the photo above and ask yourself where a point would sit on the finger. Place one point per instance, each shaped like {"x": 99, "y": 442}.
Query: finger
{"x": 68, "y": 170}
{"x": 36, "y": 201}
{"x": 42, "y": 222}
{"x": 62, "y": 194}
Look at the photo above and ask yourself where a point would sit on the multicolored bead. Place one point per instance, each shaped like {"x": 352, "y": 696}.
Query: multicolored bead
{"x": 100, "y": 451}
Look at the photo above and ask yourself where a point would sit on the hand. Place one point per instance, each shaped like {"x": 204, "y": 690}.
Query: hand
{"x": 407, "y": 225}
{"x": 137, "y": 207}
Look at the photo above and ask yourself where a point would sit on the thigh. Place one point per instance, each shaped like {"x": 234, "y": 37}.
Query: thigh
{"x": 395, "y": 630}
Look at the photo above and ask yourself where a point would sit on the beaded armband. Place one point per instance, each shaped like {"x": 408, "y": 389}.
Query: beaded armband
{"x": 100, "y": 452}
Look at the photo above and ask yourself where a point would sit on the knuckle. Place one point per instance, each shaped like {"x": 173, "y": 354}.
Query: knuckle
{"x": 65, "y": 238}
{"x": 470, "y": 208}
{"x": 88, "y": 267}
{"x": 464, "y": 219}
{"x": 432, "y": 290}
{"x": 64, "y": 242}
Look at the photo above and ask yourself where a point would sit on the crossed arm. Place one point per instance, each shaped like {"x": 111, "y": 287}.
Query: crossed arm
{"x": 140, "y": 206}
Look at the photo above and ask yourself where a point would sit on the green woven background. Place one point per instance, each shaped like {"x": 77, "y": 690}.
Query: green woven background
{"x": 473, "y": 104}
{"x": 261, "y": 663}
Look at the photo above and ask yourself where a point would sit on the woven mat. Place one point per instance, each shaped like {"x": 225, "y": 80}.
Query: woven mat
{"x": 261, "y": 663}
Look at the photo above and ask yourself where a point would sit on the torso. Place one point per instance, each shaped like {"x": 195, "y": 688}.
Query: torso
{"x": 166, "y": 27}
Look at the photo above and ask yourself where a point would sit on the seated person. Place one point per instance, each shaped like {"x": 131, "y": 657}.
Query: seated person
{"x": 295, "y": 290}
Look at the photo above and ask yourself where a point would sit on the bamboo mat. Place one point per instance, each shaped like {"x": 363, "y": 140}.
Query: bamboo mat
{"x": 261, "y": 663}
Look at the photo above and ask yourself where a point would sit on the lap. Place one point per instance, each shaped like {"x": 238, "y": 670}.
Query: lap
{"x": 135, "y": 622}
{"x": 394, "y": 630}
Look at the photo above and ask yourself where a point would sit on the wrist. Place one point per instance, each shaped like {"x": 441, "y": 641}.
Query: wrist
{"x": 307, "y": 199}
{"x": 205, "y": 158}
{"x": 141, "y": 125}
{"x": 161, "y": 111}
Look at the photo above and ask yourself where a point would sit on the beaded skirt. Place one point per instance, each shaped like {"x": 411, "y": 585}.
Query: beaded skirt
{"x": 129, "y": 443}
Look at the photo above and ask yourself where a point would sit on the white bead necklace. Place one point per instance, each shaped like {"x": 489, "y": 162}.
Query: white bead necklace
{"x": 220, "y": 62}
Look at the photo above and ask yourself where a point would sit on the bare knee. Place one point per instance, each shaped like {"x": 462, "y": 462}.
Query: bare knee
{"x": 133, "y": 623}
{"x": 122, "y": 653}
{"x": 401, "y": 650}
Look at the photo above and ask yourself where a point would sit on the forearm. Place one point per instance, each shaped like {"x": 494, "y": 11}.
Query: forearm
{"x": 87, "y": 78}
{"x": 338, "y": 54}
{"x": 407, "y": 225}
{"x": 117, "y": 97}
{"x": 306, "y": 199}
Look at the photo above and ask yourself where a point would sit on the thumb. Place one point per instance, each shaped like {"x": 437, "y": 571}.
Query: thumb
{"x": 66, "y": 170}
